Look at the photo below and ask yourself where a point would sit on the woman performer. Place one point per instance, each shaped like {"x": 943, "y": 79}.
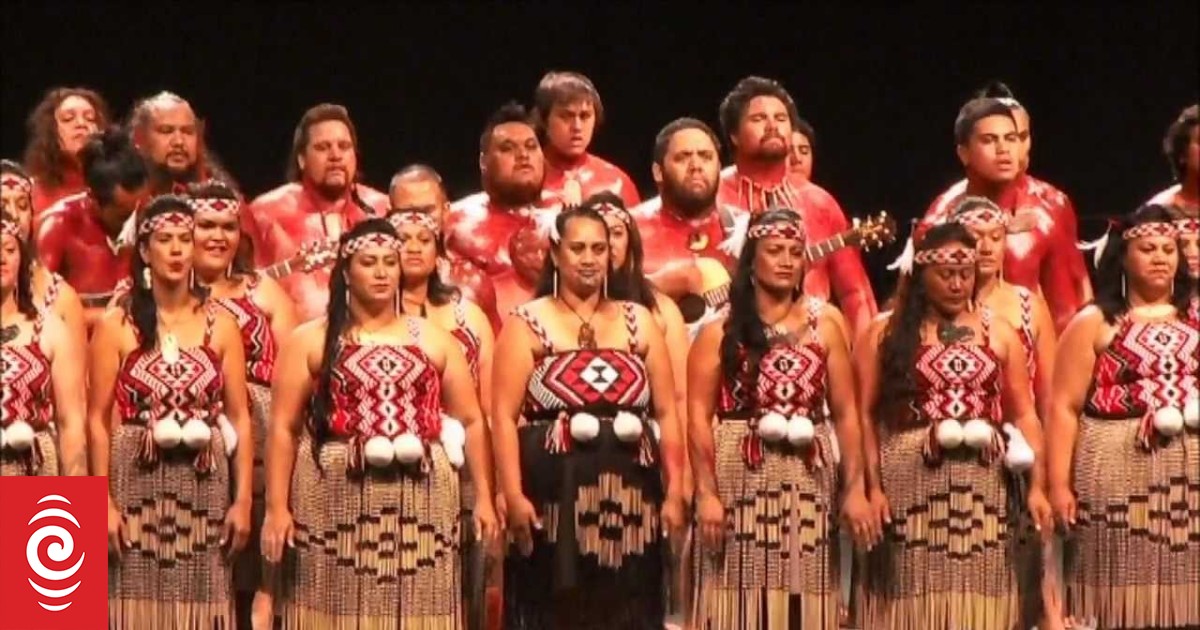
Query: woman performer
{"x": 425, "y": 292}
{"x": 41, "y": 373}
{"x": 629, "y": 283}
{"x": 371, "y": 502}
{"x": 50, "y": 290}
{"x": 1124, "y": 454}
{"x": 938, "y": 377}
{"x": 1027, "y": 313}
{"x": 1189, "y": 248}
{"x": 583, "y": 475}
{"x": 767, "y": 475}
{"x": 265, "y": 315}
{"x": 175, "y": 365}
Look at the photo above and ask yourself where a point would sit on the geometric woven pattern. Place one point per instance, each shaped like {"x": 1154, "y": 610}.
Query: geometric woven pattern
{"x": 611, "y": 521}
{"x": 958, "y": 380}
{"x": 25, "y": 384}
{"x": 192, "y": 385}
{"x": 1148, "y": 365}
{"x": 791, "y": 376}
{"x": 257, "y": 338}
{"x": 467, "y": 339}
{"x": 385, "y": 390}
{"x": 171, "y": 531}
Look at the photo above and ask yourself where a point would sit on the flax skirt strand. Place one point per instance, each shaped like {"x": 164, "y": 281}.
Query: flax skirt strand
{"x": 947, "y": 560}
{"x": 175, "y": 574}
{"x": 779, "y": 568}
{"x": 248, "y": 573}
{"x": 13, "y": 465}
{"x": 377, "y": 552}
{"x": 1133, "y": 558}
{"x": 596, "y": 564}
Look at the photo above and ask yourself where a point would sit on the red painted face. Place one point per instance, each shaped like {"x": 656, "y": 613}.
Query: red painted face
{"x": 172, "y": 140}
{"x": 765, "y": 130}
{"x": 329, "y": 161}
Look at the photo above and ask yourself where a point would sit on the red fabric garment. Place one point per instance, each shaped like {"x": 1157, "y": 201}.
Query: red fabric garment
{"x": 498, "y": 251}
{"x": 1040, "y": 252}
{"x": 46, "y": 195}
{"x": 279, "y": 222}
{"x": 667, "y": 236}
{"x": 841, "y": 274}
{"x": 72, "y": 242}
{"x": 386, "y": 390}
{"x": 593, "y": 175}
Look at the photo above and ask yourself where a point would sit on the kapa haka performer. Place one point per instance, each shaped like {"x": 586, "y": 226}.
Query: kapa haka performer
{"x": 322, "y": 200}
{"x": 171, "y": 138}
{"x": 59, "y": 127}
{"x": 1039, "y": 251}
{"x": 567, "y": 112}
{"x": 756, "y": 118}
{"x": 1181, "y": 146}
{"x": 79, "y": 235}
{"x": 501, "y": 230}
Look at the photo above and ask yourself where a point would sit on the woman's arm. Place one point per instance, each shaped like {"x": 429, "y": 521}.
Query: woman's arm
{"x": 866, "y": 370}
{"x": 278, "y": 306}
{"x": 1074, "y": 362}
{"x": 478, "y": 322}
{"x": 510, "y": 377}
{"x": 104, "y": 363}
{"x": 227, "y": 342}
{"x": 676, "y": 336}
{"x": 1045, "y": 344}
{"x": 704, "y": 382}
{"x": 1019, "y": 410}
{"x": 662, "y": 392}
{"x": 842, "y": 397}
{"x": 460, "y": 401}
{"x": 70, "y": 309}
{"x": 70, "y": 407}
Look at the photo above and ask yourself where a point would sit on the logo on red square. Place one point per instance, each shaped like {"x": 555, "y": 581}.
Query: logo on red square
{"x": 54, "y": 553}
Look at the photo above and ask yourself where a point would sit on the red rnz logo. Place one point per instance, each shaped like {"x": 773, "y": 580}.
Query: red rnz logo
{"x": 54, "y": 553}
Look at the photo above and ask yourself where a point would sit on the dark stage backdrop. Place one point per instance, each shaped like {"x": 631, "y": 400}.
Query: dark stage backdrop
{"x": 881, "y": 85}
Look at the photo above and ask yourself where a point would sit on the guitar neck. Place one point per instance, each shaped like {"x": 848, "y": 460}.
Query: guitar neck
{"x": 831, "y": 245}
{"x": 278, "y": 270}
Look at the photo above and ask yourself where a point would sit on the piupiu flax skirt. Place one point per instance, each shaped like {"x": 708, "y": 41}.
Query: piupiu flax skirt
{"x": 779, "y": 568}
{"x": 248, "y": 572}
{"x": 40, "y": 461}
{"x": 1133, "y": 558}
{"x": 598, "y": 561}
{"x": 947, "y": 561}
{"x": 175, "y": 574}
{"x": 374, "y": 551}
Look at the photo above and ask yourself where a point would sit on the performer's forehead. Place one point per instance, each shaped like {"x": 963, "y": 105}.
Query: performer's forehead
{"x": 514, "y": 130}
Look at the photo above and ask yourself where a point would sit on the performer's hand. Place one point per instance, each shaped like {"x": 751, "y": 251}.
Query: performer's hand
{"x": 674, "y": 516}
{"x": 501, "y": 511}
{"x": 237, "y": 527}
{"x": 522, "y": 520}
{"x": 118, "y": 538}
{"x": 1039, "y": 509}
{"x": 486, "y": 524}
{"x": 881, "y": 509}
{"x": 278, "y": 530}
{"x": 1062, "y": 502}
{"x": 710, "y": 515}
{"x": 860, "y": 519}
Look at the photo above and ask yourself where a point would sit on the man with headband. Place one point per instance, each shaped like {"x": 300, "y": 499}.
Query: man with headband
{"x": 304, "y": 218}
{"x": 1040, "y": 252}
{"x": 756, "y": 118}
{"x": 502, "y": 229}
{"x": 567, "y": 111}
{"x": 1181, "y": 146}
{"x": 78, "y": 237}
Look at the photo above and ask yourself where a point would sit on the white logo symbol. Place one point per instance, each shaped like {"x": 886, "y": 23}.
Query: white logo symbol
{"x": 59, "y": 551}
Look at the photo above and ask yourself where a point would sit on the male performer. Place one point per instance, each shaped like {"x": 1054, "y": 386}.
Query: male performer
{"x": 804, "y": 144}
{"x": 419, "y": 188}
{"x": 171, "y": 138}
{"x": 682, "y": 228}
{"x": 77, "y": 237}
{"x": 321, "y": 200}
{"x": 756, "y": 118}
{"x": 499, "y": 230}
{"x": 567, "y": 112}
{"x": 59, "y": 127}
{"x": 1040, "y": 251}
{"x": 1181, "y": 146}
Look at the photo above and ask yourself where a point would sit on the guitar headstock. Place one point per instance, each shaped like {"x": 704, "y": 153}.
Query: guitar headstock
{"x": 875, "y": 231}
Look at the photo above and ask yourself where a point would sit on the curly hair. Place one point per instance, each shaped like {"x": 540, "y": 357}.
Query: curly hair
{"x": 44, "y": 156}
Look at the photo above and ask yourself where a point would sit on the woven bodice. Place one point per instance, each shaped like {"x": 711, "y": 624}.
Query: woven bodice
{"x": 1147, "y": 366}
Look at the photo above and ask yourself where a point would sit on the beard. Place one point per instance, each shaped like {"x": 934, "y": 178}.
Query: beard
{"x": 163, "y": 177}
{"x": 330, "y": 191}
{"x": 689, "y": 202}
{"x": 514, "y": 194}
{"x": 769, "y": 153}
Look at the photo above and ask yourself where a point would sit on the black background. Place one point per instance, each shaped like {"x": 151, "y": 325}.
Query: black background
{"x": 880, "y": 84}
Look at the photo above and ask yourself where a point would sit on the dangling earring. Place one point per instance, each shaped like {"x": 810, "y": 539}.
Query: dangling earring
{"x": 229, "y": 270}
{"x": 146, "y": 277}
{"x": 604, "y": 287}
{"x": 396, "y": 302}
{"x": 1123, "y": 286}
{"x": 971, "y": 305}
{"x": 192, "y": 278}
{"x": 556, "y": 283}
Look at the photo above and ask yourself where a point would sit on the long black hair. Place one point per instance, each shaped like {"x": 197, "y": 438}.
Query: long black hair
{"x": 139, "y": 303}
{"x": 9, "y": 167}
{"x": 545, "y": 285}
{"x": 337, "y": 317}
{"x": 745, "y": 331}
{"x": 902, "y": 336}
{"x": 627, "y": 282}
{"x": 438, "y": 291}
{"x": 1110, "y": 271}
{"x": 24, "y": 288}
